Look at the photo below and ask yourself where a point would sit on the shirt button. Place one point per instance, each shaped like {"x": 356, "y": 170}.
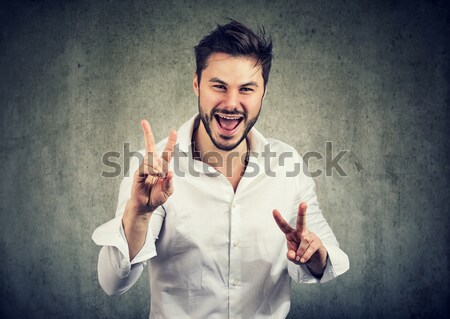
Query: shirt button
{"x": 233, "y": 205}
{"x": 235, "y": 283}
{"x": 235, "y": 243}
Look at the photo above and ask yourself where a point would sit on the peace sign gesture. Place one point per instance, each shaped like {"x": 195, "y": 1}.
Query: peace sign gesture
{"x": 153, "y": 183}
{"x": 304, "y": 247}
{"x": 152, "y": 186}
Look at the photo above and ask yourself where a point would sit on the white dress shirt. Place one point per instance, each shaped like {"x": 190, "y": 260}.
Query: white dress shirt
{"x": 216, "y": 253}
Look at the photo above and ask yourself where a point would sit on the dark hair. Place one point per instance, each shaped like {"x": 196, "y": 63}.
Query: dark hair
{"x": 235, "y": 39}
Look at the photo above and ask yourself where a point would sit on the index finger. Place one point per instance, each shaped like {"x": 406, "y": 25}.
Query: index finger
{"x": 284, "y": 226}
{"x": 148, "y": 136}
{"x": 301, "y": 217}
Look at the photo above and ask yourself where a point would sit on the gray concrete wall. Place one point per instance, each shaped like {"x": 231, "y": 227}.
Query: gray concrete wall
{"x": 370, "y": 76}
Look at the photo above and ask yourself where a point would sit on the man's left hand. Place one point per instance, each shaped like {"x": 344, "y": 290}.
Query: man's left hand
{"x": 304, "y": 247}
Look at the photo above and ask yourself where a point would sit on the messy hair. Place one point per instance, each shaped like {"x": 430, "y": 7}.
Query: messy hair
{"x": 235, "y": 39}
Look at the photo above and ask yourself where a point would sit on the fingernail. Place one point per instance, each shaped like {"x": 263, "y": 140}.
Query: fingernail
{"x": 162, "y": 175}
{"x": 302, "y": 260}
{"x": 297, "y": 258}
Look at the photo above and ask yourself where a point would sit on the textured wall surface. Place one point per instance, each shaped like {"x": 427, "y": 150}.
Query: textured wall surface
{"x": 372, "y": 77}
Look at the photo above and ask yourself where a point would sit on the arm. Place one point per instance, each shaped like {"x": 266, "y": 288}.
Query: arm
{"x": 152, "y": 186}
{"x": 128, "y": 240}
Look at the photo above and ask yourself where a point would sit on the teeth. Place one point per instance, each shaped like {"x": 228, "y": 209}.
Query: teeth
{"x": 229, "y": 117}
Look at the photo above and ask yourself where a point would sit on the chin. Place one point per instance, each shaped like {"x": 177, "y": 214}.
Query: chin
{"x": 226, "y": 143}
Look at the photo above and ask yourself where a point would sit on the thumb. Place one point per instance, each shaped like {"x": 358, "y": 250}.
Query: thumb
{"x": 291, "y": 254}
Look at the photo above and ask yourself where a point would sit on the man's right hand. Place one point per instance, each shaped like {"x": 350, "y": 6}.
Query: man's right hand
{"x": 152, "y": 186}
{"x": 153, "y": 183}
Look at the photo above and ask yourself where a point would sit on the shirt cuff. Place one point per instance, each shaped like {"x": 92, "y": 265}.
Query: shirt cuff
{"x": 112, "y": 234}
{"x": 337, "y": 264}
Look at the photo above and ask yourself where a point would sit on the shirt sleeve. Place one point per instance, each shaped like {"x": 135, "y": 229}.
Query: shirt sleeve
{"x": 116, "y": 272}
{"x": 337, "y": 261}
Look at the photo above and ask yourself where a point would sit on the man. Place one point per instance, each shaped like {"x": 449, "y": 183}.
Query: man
{"x": 207, "y": 204}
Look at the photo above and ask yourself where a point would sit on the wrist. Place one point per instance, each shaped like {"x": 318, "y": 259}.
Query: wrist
{"x": 137, "y": 209}
{"x": 136, "y": 215}
{"x": 318, "y": 263}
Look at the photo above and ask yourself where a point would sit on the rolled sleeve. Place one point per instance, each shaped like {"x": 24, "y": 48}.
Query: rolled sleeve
{"x": 116, "y": 273}
{"x": 112, "y": 234}
{"x": 337, "y": 264}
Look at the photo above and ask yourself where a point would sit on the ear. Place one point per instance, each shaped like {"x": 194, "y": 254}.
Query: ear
{"x": 265, "y": 92}
{"x": 195, "y": 84}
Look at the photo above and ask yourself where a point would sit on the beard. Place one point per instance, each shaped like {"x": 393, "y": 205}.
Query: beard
{"x": 207, "y": 118}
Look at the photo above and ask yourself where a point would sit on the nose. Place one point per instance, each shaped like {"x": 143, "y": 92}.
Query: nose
{"x": 232, "y": 99}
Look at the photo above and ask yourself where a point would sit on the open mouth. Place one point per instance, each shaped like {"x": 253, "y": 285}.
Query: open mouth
{"x": 228, "y": 123}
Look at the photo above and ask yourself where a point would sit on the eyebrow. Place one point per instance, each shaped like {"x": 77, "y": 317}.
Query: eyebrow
{"x": 217, "y": 80}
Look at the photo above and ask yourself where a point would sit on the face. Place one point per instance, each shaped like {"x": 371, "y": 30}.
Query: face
{"x": 230, "y": 96}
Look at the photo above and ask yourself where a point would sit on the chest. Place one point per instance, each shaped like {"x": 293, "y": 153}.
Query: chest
{"x": 209, "y": 215}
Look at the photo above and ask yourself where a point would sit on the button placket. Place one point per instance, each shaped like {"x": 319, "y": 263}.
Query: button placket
{"x": 235, "y": 257}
